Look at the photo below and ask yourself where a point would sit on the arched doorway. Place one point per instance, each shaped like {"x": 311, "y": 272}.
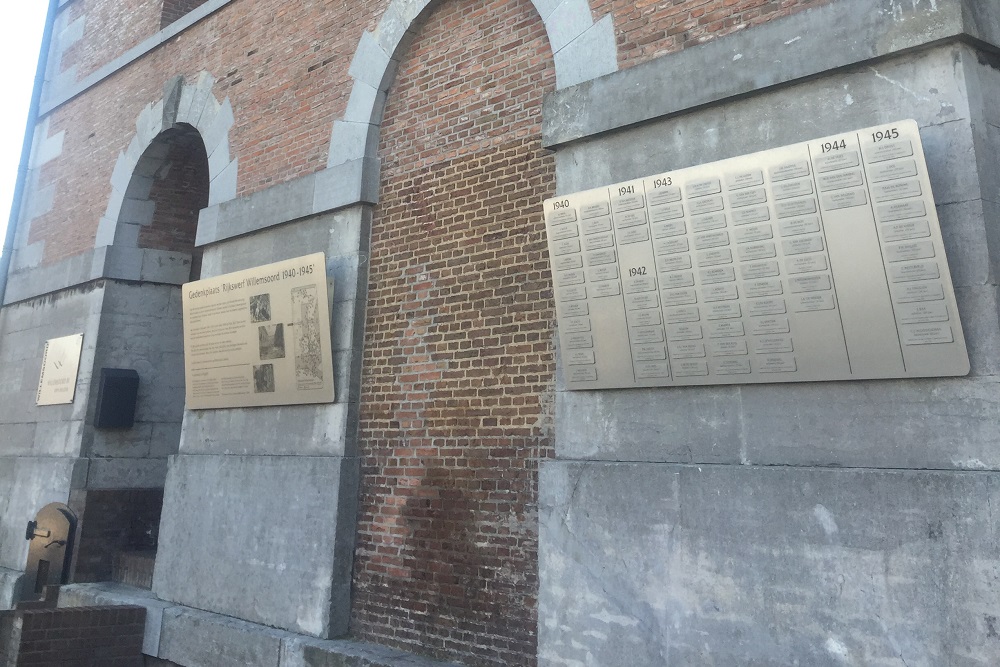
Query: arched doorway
{"x": 141, "y": 330}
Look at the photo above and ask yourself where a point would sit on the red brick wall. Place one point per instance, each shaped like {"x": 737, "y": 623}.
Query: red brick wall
{"x": 458, "y": 362}
{"x": 285, "y": 68}
{"x": 645, "y": 29}
{"x": 106, "y": 636}
{"x": 175, "y": 9}
{"x": 180, "y": 192}
{"x": 111, "y": 28}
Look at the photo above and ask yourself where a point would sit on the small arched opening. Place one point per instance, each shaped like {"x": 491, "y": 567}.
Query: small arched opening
{"x": 142, "y": 330}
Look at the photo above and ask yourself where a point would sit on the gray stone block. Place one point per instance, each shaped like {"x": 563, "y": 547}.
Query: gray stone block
{"x": 567, "y": 21}
{"x": 199, "y": 639}
{"x": 11, "y": 582}
{"x": 137, "y": 211}
{"x": 371, "y": 64}
{"x": 965, "y": 242}
{"x": 590, "y": 55}
{"x": 289, "y": 430}
{"x": 650, "y": 565}
{"x": 352, "y": 141}
{"x": 840, "y": 102}
{"x": 304, "y": 652}
{"x": 347, "y": 183}
{"x": 394, "y": 32}
{"x": 941, "y": 424}
{"x": 125, "y": 473}
{"x": 979, "y": 308}
{"x": 223, "y": 185}
{"x": 166, "y": 267}
{"x": 267, "y": 208}
{"x": 686, "y": 425}
{"x": 126, "y": 235}
{"x": 215, "y": 129}
{"x": 219, "y": 158}
{"x": 263, "y": 543}
{"x": 779, "y": 52}
{"x": 208, "y": 225}
{"x": 365, "y": 105}
{"x": 332, "y": 233}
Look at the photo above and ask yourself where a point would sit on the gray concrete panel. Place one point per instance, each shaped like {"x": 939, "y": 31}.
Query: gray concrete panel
{"x": 650, "y": 565}
{"x": 893, "y": 424}
{"x": 10, "y": 587}
{"x": 126, "y": 473}
{"x": 237, "y": 511}
{"x": 198, "y": 639}
{"x": 288, "y": 430}
{"x": 688, "y": 425}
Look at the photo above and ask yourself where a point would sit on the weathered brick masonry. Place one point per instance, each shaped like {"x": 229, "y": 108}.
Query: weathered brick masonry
{"x": 458, "y": 355}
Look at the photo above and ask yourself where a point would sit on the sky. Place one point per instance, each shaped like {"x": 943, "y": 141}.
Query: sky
{"x": 20, "y": 41}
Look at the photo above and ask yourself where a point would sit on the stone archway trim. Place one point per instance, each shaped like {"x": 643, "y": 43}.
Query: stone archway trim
{"x": 582, "y": 50}
{"x": 194, "y": 104}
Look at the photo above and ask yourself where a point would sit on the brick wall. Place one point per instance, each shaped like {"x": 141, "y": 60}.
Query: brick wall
{"x": 111, "y": 28}
{"x": 458, "y": 362}
{"x": 106, "y": 636}
{"x": 285, "y": 71}
{"x": 175, "y": 9}
{"x": 180, "y": 191}
{"x": 113, "y": 522}
{"x": 645, "y": 29}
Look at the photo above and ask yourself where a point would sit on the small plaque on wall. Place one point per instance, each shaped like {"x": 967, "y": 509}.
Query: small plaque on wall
{"x": 259, "y": 337}
{"x": 60, "y": 365}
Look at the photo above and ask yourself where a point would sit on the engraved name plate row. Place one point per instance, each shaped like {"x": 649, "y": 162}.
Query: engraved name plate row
{"x": 817, "y": 261}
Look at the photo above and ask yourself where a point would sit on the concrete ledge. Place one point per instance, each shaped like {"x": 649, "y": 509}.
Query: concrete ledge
{"x": 111, "y": 262}
{"x": 773, "y": 54}
{"x": 340, "y": 186}
{"x": 59, "y": 95}
{"x": 197, "y": 638}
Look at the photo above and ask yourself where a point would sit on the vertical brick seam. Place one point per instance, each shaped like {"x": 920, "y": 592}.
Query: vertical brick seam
{"x": 458, "y": 359}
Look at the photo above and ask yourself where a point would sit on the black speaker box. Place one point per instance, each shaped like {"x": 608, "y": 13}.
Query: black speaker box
{"x": 116, "y": 398}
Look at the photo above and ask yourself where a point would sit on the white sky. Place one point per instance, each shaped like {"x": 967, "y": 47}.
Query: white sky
{"x": 20, "y": 41}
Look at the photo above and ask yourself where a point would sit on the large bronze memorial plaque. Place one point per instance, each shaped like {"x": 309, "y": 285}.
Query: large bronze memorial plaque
{"x": 817, "y": 261}
{"x": 259, "y": 337}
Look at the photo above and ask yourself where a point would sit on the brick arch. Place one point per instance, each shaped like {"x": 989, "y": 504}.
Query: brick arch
{"x": 582, "y": 50}
{"x": 184, "y": 105}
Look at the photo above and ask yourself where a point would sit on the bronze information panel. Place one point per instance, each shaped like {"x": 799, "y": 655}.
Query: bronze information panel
{"x": 259, "y": 337}
{"x": 817, "y": 261}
